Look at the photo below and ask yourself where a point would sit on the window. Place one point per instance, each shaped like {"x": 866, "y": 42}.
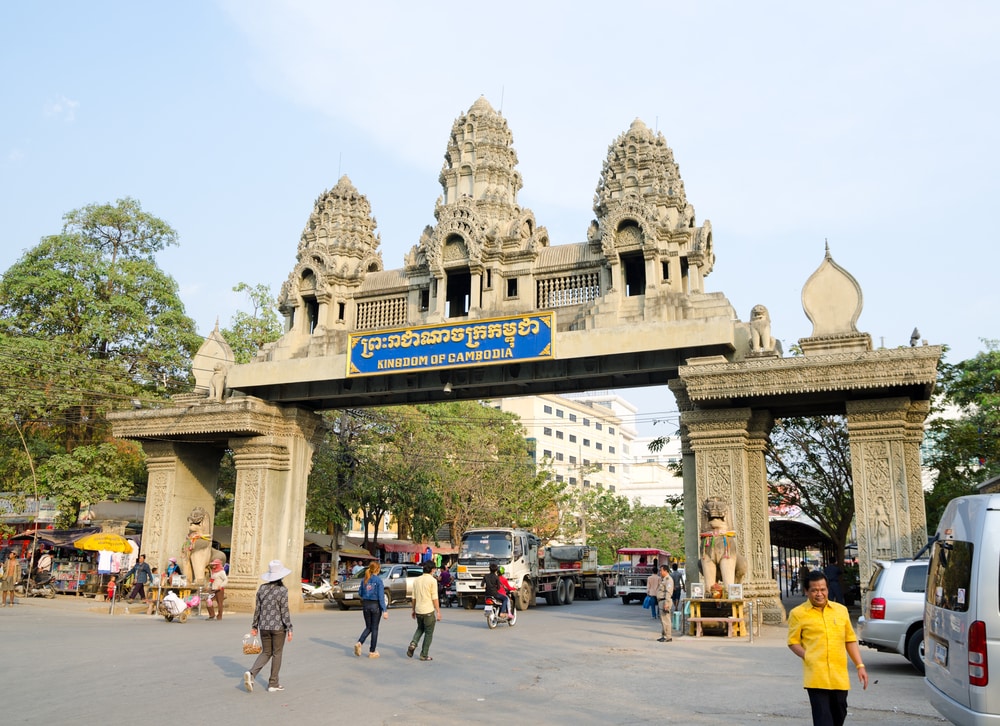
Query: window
{"x": 586, "y": 422}
{"x": 512, "y": 287}
{"x": 634, "y": 268}
{"x": 425, "y": 299}
{"x": 611, "y": 449}
{"x": 572, "y": 417}
{"x": 572, "y": 481}
{"x": 586, "y": 483}
{"x": 559, "y": 477}
{"x": 559, "y": 456}
{"x": 572, "y": 438}
{"x": 547, "y": 454}
{"x": 950, "y": 578}
{"x": 586, "y": 462}
{"x": 547, "y": 409}
{"x": 599, "y": 445}
{"x": 559, "y": 413}
{"x": 611, "y": 430}
{"x": 586, "y": 442}
{"x": 611, "y": 488}
{"x": 546, "y": 431}
{"x": 611, "y": 468}
{"x": 598, "y": 425}
{"x": 559, "y": 434}
{"x": 572, "y": 459}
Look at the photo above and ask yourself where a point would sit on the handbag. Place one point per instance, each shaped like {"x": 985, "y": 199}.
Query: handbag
{"x": 251, "y": 645}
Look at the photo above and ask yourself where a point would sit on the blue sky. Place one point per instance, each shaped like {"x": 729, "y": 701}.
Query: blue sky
{"x": 871, "y": 125}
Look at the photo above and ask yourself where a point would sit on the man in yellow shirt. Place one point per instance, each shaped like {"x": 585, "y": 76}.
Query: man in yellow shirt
{"x": 820, "y": 633}
{"x": 426, "y": 611}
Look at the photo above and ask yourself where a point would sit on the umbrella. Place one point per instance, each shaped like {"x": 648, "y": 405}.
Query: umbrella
{"x": 103, "y": 541}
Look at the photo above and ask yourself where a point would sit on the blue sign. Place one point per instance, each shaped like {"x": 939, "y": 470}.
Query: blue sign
{"x": 483, "y": 342}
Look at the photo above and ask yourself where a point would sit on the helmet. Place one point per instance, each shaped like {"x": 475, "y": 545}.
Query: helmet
{"x": 501, "y": 570}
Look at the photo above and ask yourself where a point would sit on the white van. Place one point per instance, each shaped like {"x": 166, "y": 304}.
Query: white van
{"x": 962, "y": 612}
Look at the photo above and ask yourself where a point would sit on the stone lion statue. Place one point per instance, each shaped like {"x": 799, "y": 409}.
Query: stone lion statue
{"x": 760, "y": 330}
{"x": 197, "y": 550}
{"x": 717, "y": 551}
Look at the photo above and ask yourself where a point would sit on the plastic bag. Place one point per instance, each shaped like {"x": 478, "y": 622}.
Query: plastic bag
{"x": 251, "y": 645}
{"x": 649, "y": 602}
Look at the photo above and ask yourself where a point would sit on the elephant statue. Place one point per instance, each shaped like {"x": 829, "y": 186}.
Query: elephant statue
{"x": 719, "y": 557}
{"x": 197, "y": 550}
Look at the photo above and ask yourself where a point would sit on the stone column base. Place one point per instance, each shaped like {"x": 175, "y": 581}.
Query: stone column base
{"x": 768, "y": 599}
{"x": 241, "y": 595}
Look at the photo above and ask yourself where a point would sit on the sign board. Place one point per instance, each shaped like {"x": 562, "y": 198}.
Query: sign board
{"x": 429, "y": 347}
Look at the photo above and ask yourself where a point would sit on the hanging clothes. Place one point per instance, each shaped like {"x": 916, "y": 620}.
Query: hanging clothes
{"x": 104, "y": 562}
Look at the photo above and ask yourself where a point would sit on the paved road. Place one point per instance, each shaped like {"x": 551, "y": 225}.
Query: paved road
{"x": 590, "y": 662}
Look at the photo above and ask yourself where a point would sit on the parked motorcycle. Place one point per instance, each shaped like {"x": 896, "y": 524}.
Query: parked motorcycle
{"x": 494, "y": 613}
{"x": 317, "y": 592}
{"x": 38, "y": 586}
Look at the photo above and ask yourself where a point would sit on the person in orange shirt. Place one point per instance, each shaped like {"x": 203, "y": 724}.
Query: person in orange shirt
{"x": 820, "y": 633}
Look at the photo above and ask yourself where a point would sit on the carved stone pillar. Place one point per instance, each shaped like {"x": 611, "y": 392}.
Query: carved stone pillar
{"x": 269, "y": 510}
{"x": 760, "y": 583}
{"x": 889, "y": 510}
{"x": 181, "y": 477}
{"x": 719, "y": 438}
{"x": 690, "y": 482}
{"x": 914, "y": 472}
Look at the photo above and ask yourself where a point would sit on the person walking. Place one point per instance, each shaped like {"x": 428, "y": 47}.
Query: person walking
{"x": 372, "y": 591}
{"x": 9, "y": 577}
{"x": 678, "y": 577}
{"x": 664, "y": 598}
{"x": 820, "y": 633}
{"x": 652, "y": 585}
{"x": 272, "y": 621}
{"x": 426, "y": 611}
{"x": 143, "y": 574}
{"x": 804, "y": 576}
{"x": 217, "y": 583}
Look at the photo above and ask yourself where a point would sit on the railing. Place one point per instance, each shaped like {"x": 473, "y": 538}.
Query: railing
{"x": 558, "y": 292}
{"x": 387, "y": 313}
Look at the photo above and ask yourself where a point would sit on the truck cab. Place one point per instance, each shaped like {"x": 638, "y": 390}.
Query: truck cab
{"x": 516, "y": 550}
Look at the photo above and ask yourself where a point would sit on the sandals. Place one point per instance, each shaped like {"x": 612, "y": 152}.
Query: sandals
{"x": 426, "y": 657}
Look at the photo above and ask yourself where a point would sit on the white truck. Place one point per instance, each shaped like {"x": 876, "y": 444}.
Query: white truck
{"x": 558, "y": 573}
{"x": 634, "y": 566}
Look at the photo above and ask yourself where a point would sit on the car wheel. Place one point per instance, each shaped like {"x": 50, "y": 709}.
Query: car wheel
{"x": 343, "y": 606}
{"x": 388, "y": 602}
{"x": 915, "y": 650}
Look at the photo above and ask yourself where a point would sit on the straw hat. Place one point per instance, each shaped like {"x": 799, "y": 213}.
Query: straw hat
{"x": 275, "y": 571}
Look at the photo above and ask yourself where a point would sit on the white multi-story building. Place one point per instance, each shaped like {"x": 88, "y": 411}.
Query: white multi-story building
{"x": 590, "y": 440}
{"x": 653, "y": 472}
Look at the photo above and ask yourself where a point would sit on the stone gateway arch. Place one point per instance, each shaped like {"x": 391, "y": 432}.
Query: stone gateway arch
{"x": 485, "y": 307}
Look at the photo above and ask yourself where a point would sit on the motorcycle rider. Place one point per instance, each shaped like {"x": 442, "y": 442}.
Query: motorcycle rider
{"x": 493, "y": 587}
{"x": 507, "y": 589}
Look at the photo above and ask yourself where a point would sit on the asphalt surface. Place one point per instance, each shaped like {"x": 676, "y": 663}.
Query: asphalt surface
{"x": 67, "y": 660}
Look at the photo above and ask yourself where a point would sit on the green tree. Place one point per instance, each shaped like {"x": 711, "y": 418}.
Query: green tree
{"x": 964, "y": 450}
{"x": 809, "y": 466}
{"x": 249, "y": 332}
{"x": 88, "y": 323}
{"x": 610, "y": 522}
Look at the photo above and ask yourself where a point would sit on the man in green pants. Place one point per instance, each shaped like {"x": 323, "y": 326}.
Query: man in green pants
{"x": 426, "y": 611}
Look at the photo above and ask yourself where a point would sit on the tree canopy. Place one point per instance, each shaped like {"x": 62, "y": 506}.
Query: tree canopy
{"x": 809, "y": 466}
{"x": 89, "y": 323}
{"x": 963, "y": 447}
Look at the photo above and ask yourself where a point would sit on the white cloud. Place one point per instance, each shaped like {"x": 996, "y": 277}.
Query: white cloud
{"x": 63, "y": 108}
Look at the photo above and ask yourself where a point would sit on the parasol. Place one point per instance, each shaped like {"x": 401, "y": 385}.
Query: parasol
{"x": 103, "y": 541}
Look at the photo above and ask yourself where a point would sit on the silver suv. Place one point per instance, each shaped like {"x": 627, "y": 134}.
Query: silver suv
{"x": 892, "y": 611}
